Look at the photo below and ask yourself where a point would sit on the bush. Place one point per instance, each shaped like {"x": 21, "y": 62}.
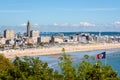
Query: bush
{"x": 28, "y": 68}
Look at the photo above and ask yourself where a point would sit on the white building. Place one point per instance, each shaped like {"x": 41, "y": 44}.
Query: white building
{"x": 34, "y": 33}
{"x": 9, "y": 34}
{"x": 2, "y": 40}
{"x": 45, "y": 39}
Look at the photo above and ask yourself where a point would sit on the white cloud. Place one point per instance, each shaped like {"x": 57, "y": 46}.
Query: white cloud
{"x": 35, "y": 25}
{"x": 61, "y": 25}
{"x": 117, "y": 23}
{"x": 55, "y": 24}
{"x": 75, "y": 25}
{"x": 32, "y": 25}
{"x": 24, "y": 24}
{"x": 64, "y": 24}
{"x": 81, "y": 24}
{"x": 86, "y": 24}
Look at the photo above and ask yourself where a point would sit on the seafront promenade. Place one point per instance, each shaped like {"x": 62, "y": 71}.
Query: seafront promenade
{"x": 58, "y": 50}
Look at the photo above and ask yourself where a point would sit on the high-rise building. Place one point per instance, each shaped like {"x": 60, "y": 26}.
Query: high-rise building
{"x": 34, "y": 33}
{"x": 9, "y": 34}
{"x": 28, "y": 29}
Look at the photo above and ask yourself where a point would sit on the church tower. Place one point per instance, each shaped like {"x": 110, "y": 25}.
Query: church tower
{"x": 28, "y": 29}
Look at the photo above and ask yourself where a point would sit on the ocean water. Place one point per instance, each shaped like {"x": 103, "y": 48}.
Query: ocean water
{"x": 72, "y": 33}
{"x": 113, "y": 58}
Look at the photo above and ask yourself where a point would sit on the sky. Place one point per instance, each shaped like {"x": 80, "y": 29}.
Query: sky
{"x": 60, "y": 15}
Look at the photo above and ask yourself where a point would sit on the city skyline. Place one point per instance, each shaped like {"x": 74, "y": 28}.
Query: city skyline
{"x": 61, "y": 16}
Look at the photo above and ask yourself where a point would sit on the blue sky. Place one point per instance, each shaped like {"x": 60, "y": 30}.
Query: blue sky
{"x": 60, "y": 15}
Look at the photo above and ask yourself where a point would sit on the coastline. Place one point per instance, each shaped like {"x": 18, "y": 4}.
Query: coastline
{"x": 58, "y": 50}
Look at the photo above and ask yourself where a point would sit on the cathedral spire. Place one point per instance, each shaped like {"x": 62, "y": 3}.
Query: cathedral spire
{"x": 28, "y": 29}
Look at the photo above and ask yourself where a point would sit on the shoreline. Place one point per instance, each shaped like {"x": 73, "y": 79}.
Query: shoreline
{"x": 58, "y": 50}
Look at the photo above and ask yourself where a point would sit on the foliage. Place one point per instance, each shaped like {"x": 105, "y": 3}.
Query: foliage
{"x": 5, "y": 65}
{"x": 68, "y": 71}
{"x": 41, "y": 44}
{"x": 63, "y": 50}
{"x": 29, "y": 45}
{"x": 29, "y": 68}
{"x": 95, "y": 71}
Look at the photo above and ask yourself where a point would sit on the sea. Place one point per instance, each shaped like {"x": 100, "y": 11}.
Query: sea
{"x": 72, "y": 33}
{"x": 113, "y": 55}
{"x": 112, "y": 58}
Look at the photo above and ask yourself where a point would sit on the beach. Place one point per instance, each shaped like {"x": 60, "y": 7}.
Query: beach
{"x": 58, "y": 50}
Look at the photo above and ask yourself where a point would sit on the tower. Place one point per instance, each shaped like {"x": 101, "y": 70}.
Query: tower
{"x": 28, "y": 29}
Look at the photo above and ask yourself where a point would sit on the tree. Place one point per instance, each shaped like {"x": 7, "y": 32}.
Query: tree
{"x": 5, "y": 65}
{"x": 86, "y": 70}
{"x": 68, "y": 71}
{"x": 95, "y": 71}
{"x": 29, "y": 68}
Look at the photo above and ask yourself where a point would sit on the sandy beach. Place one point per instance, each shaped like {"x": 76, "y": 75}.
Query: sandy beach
{"x": 58, "y": 50}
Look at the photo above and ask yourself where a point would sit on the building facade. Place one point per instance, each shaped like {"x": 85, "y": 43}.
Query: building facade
{"x": 9, "y": 34}
{"x": 34, "y": 33}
